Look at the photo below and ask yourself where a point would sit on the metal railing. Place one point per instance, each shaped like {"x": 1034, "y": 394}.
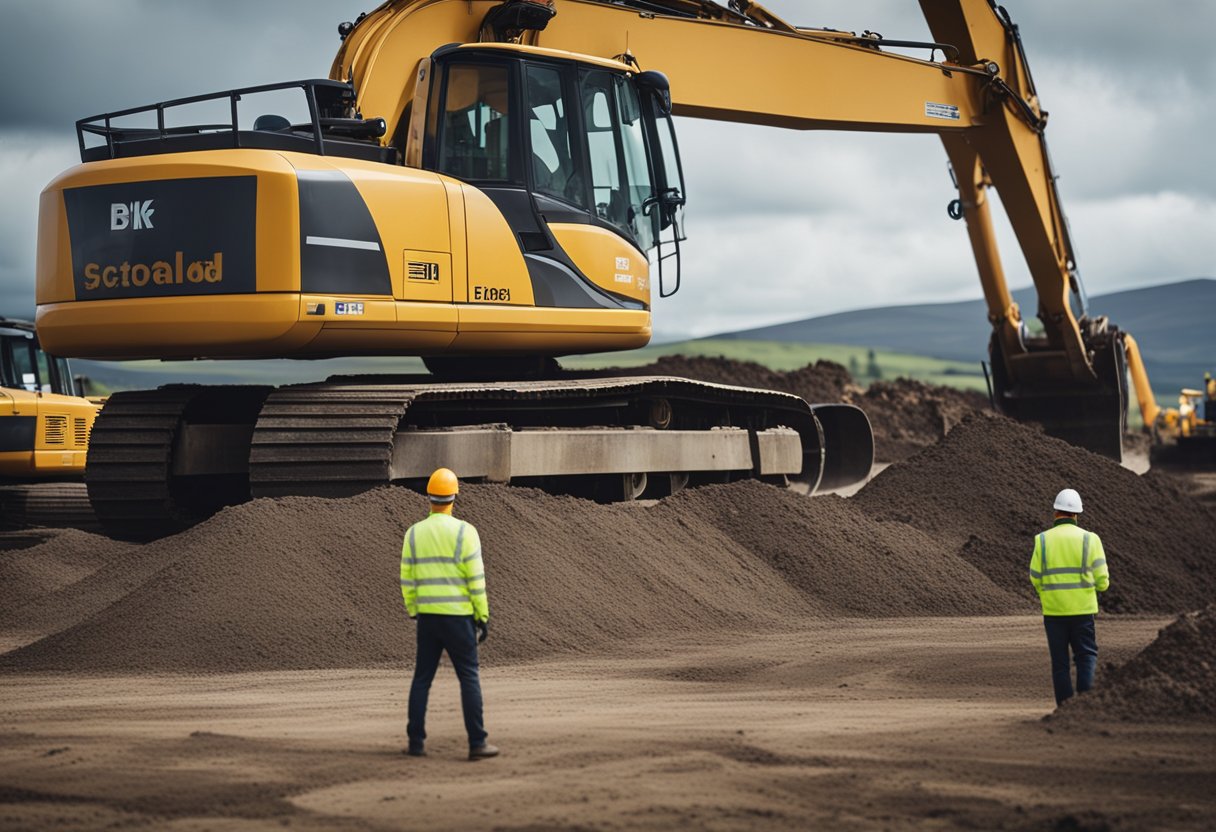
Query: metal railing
{"x": 102, "y": 125}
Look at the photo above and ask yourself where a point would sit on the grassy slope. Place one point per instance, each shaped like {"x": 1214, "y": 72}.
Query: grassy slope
{"x": 785, "y": 355}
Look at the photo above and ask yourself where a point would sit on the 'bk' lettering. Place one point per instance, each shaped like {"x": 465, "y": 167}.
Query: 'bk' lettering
{"x": 137, "y": 215}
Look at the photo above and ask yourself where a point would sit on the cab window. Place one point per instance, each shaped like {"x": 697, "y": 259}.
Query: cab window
{"x": 620, "y": 174}
{"x": 554, "y": 168}
{"x": 475, "y": 135}
{"x": 24, "y": 369}
{"x": 44, "y": 371}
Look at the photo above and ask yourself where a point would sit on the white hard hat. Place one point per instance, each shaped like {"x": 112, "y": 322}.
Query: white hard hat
{"x": 1068, "y": 500}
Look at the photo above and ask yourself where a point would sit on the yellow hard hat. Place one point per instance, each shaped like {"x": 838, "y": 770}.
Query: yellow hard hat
{"x": 443, "y": 486}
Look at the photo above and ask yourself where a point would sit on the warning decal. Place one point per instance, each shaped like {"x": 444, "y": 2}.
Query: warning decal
{"x": 946, "y": 111}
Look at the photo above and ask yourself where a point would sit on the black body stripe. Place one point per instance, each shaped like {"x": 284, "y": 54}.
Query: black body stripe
{"x": 17, "y": 433}
{"x": 346, "y": 255}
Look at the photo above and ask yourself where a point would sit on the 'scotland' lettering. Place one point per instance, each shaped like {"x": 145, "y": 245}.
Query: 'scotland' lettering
{"x": 160, "y": 273}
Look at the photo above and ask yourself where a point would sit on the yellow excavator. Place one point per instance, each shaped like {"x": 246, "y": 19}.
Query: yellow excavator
{"x": 1182, "y": 436}
{"x": 491, "y": 185}
{"x": 45, "y": 421}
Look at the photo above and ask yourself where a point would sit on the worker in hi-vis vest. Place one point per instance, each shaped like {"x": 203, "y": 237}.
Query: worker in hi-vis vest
{"x": 1068, "y": 570}
{"x": 444, "y": 585}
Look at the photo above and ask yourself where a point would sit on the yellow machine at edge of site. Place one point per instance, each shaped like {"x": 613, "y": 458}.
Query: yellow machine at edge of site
{"x": 44, "y": 420}
{"x": 490, "y": 186}
{"x": 1183, "y": 436}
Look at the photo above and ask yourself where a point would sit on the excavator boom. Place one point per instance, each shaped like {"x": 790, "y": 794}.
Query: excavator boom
{"x": 744, "y": 64}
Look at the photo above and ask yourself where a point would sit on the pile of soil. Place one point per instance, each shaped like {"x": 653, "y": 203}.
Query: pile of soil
{"x": 1172, "y": 678}
{"x": 987, "y": 489}
{"x": 34, "y": 565}
{"x": 909, "y": 415}
{"x": 906, "y": 415}
{"x": 838, "y": 557}
{"x": 307, "y": 582}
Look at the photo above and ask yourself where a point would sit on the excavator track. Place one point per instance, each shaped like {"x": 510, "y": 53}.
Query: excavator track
{"x": 345, "y": 436}
{"x": 326, "y": 440}
{"x": 130, "y": 457}
{"x": 59, "y": 505}
{"x": 168, "y": 458}
{"x": 132, "y": 473}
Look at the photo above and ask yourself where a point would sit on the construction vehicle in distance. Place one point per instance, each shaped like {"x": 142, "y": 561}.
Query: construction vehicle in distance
{"x": 1183, "y": 436}
{"x": 45, "y": 421}
{"x": 490, "y": 185}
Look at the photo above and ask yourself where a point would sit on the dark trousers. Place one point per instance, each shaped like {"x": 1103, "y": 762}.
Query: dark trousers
{"x": 457, "y": 635}
{"x": 1075, "y": 633}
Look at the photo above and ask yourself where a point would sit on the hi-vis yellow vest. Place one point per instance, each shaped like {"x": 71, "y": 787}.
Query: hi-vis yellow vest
{"x": 1068, "y": 569}
{"x": 441, "y": 569}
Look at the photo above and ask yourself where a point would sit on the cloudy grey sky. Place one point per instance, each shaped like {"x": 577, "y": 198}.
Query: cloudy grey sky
{"x": 782, "y": 225}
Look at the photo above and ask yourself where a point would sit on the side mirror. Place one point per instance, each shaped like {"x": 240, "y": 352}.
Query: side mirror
{"x": 656, "y": 84}
{"x": 668, "y": 201}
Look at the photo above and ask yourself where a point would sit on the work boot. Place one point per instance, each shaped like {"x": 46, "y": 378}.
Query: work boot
{"x": 416, "y": 750}
{"x": 478, "y": 752}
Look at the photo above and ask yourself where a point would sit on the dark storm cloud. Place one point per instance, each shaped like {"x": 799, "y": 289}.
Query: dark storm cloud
{"x": 64, "y": 60}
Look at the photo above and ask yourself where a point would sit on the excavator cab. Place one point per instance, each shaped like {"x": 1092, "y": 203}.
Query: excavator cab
{"x": 554, "y": 139}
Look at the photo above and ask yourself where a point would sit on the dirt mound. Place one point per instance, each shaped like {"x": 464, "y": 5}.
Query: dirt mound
{"x": 307, "y": 582}
{"x": 823, "y": 381}
{"x": 906, "y": 415}
{"x": 987, "y": 489}
{"x": 38, "y": 564}
{"x": 311, "y": 583}
{"x": 909, "y": 415}
{"x": 1172, "y": 678}
{"x": 838, "y": 557}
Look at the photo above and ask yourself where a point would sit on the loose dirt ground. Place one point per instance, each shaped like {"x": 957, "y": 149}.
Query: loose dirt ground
{"x": 853, "y": 724}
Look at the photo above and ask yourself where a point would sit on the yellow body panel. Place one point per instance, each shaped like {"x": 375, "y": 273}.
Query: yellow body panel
{"x": 419, "y": 222}
{"x": 61, "y": 435}
{"x": 533, "y": 330}
{"x": 606, "y": 258}
{"x": 496, "y": 271}
{"x": 177, "y": 327}
{"x": 421, "y": 217}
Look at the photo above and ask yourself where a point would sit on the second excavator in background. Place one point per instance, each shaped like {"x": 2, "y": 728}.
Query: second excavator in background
{"x": 1183, "y": 436}
{"x": 493, "y": 185}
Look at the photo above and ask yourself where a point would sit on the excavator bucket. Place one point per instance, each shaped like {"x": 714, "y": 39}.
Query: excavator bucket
{"x": 1091, "y": 416}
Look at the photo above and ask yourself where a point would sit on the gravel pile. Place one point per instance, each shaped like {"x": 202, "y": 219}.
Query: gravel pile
{"x": 303, "y": 582}
{"x": 1174, "y": 678}
{"x": 987, "y": 489}
{"x": 307, "y": 582}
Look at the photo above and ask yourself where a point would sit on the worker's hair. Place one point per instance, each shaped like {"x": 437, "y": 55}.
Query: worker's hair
{"x": 444, "y": 500}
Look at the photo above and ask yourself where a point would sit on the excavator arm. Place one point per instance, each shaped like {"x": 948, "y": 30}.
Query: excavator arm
{"x": 742, "y": 63}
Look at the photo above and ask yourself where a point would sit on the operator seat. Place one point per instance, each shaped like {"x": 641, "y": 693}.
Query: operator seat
{"x": 271, "y": 123}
